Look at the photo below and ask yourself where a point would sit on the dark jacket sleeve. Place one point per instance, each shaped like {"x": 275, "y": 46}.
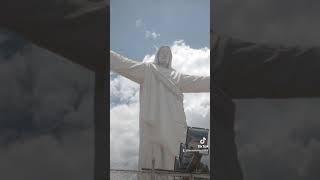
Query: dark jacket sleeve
{"x": 251, "y": 70}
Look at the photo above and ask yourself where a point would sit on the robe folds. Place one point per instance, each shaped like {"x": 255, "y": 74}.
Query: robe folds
{"x": 162, "y": 118}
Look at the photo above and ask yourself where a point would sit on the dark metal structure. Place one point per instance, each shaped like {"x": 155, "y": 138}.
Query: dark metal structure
{"x": 190, "y": 155}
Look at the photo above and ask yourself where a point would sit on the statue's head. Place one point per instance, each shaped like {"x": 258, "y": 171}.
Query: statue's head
{"x": 164, "y": 57}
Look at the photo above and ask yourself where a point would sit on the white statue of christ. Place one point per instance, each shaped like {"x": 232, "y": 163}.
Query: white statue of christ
{"x": 162, "y": 118}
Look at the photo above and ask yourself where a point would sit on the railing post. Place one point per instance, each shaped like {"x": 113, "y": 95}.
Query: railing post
{"x": 152, "y": 170}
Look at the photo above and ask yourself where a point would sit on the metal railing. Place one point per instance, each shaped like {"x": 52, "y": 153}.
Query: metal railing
{"x": 121, "y": 174}
{"x": 153, "y": 173}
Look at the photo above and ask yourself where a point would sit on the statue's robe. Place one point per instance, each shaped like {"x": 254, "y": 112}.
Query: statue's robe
{"x": 162, "y": 118}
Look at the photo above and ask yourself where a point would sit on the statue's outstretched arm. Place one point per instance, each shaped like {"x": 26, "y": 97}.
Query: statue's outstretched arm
{"x": 194, "y": 84}
{"x": 126, "y": 67}
{"x": 246, "y": 69}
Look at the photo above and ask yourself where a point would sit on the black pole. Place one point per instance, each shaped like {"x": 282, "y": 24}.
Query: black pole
{"x": 102, "y": 125}
{"x": 224, "y": 164}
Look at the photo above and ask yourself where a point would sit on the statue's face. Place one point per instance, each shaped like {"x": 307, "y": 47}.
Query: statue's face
{"x": 164, "y": 56}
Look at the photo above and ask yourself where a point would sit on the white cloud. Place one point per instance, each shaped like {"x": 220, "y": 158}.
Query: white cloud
{"x": 139, "y": 23}
{"x": 187, "y": 59}
{"x": 281, "y": 135}
{"x": 124, "y": 111}
{"x": 123, "y": 91}
{"x": 151, "y": 34}
{"x": 44, "y": 157}
{"x": 124, "y": 136}
{"x": 57, "y": 141}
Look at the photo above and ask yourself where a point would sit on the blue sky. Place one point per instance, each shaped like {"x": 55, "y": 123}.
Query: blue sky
{"x": 187, "y": 20}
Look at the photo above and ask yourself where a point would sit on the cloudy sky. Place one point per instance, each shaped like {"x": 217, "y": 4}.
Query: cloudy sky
{"x": 138, "y": 28}
{"x": 277, "y": 139}
{"x": 46, "y": 114}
